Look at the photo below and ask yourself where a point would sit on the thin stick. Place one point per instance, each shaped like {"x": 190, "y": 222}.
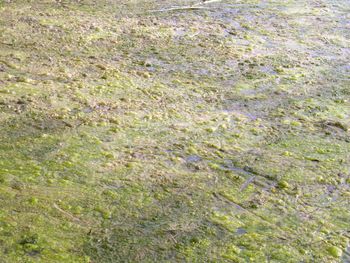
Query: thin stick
{"x": 195, "y": 6}
{"x": 66, "y": 213}
{"x": 179, "y": 9}
{"x": 247, "y": 182}
{"x": 207, "y": 2}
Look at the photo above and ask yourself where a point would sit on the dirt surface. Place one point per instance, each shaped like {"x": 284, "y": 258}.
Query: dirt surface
{"x": 172, "y": 131}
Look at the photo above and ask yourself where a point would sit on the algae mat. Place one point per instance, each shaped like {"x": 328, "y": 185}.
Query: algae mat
{"x": 138, "y": 131}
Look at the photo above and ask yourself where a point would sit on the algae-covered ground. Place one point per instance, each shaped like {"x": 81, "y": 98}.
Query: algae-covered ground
{"x": 134, "y": 133}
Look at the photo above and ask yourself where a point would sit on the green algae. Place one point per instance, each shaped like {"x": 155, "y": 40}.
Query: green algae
{"x": 209, "y": 136}
{"x": 335, "y": 251}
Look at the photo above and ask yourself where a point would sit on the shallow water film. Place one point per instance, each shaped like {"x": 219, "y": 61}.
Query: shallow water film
{"x": 174, "y": 131}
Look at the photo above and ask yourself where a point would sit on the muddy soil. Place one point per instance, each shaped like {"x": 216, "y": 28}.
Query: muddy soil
{"x": 174, "y": 131}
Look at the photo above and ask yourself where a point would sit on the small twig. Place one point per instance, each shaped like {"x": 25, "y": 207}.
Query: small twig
{"x": 193, "y": 35}
{"x": 66, "y": 213}
{"x": 173, "y": 238}
{"x": 247, "y": 182}
{"x": 196, "y": 6}
{"x": 179, "y": 8}
{"x": 206, "y": 2}
{"x": 220, "y": 196}
{"x": 67, "y": 124}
